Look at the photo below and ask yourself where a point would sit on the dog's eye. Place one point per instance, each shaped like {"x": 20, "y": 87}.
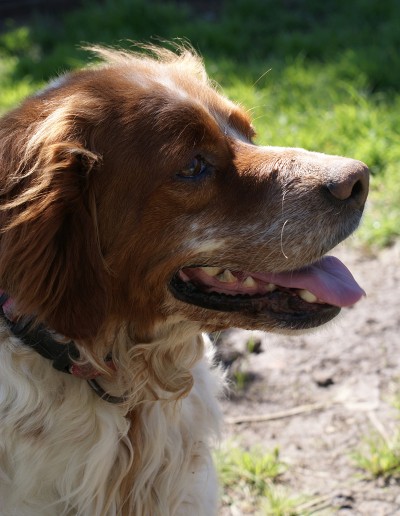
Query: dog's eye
{"x": 197, "y": 167}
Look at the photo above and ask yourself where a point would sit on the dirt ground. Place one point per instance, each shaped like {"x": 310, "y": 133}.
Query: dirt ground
{"x": 340, "y": 380}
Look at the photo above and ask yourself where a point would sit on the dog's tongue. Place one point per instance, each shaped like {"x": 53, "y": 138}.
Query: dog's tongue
{"x": 328, "y": 279}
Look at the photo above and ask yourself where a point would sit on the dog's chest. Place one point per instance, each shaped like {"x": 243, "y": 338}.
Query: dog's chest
{"x": 64, "y": 451}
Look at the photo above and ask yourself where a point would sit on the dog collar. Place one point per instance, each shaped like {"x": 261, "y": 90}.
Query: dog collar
{"x": 63, "y": 356}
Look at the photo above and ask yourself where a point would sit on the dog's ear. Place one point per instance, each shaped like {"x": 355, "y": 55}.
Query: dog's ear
{"x": 50, "y": 257}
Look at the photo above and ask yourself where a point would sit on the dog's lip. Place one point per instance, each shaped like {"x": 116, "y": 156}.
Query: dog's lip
{"x": 300, "y": 298}
{"x": 282, "y": 305}
{"x": 325, "y": 281}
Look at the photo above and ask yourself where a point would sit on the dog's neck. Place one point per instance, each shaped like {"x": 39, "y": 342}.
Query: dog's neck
{"x": 66, "y": 357}
{"x": 63, "y": 353}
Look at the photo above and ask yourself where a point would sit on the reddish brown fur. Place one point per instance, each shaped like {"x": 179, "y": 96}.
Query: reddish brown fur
{"x": 92, "y": 213}
{"x": 96, "y": 220}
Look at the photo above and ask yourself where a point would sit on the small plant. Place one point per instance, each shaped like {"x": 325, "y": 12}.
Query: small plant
{"x": 248, "y": 471}
{"x": 253, "y": 467}
{"x": 279, "y": 503}
{"x": 248, "y": 479}
{"x": 379, "y": 457}
{"x": 253, "y": 345}
{"x": 241, "y": 378}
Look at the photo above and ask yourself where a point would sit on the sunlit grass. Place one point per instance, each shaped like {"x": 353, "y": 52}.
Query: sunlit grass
{"x": 12, "y": 92}
{"x": 300, "y": 106}
{"x": 305, "y": 75}
{"x": 254, "y": 467}
{"x": 249, "y": 479}
{"x": 379, "y": 457}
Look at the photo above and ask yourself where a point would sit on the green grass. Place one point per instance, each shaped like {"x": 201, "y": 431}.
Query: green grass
{"x": 254, "y": 467}
{"x": 319, "y": 75}
{"x": 249, "y": 481}
{"x": 305, "y": 105}
{"x": 378, "y": 457}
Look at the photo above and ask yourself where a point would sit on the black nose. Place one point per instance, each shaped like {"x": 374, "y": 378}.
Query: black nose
{"x": 349, "y": 183}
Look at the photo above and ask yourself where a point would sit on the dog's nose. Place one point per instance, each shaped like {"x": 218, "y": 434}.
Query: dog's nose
{"x": 350, "y": 183}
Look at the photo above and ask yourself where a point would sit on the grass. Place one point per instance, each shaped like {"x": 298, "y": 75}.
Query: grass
{"x": 379, "y": 457}
{"x": 379, "y": 454}
{"x": 254, "y": 468}
{"x": 306, "y": 105}
{"x": 252, "y": 484}
{"x": 249, "y": 481}
{"x": 309, "y": 78}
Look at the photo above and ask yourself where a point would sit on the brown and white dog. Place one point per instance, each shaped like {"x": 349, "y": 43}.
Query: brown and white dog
{"x": 136, "y": 212}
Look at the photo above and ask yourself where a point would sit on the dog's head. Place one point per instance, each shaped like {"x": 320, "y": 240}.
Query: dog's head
{"x": 133, "y": 192}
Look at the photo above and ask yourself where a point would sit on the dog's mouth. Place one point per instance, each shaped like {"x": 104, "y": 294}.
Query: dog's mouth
{"x": 302, "y": 298}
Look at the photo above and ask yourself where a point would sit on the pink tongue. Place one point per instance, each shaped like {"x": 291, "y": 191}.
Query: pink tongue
{"x": 328, "y": 279}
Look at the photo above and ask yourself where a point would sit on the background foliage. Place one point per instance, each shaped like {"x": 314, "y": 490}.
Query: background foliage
{"x": 320, "y": 75}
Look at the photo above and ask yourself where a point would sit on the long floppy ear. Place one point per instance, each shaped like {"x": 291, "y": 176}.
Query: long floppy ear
{"x": 50, "y": 259}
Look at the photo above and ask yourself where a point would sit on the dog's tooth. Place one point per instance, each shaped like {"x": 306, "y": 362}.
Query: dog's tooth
{"x": 249, "y": 282}
{"x": 271, "y": 287}
{"x": 308, "y": 296}
{"x": 226, "y": 277}
{"x": 211, "y": 271}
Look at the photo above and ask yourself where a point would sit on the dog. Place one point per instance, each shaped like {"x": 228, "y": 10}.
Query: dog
{"x": 137, "y": 214}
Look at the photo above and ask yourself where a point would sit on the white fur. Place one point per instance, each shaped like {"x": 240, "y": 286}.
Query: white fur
{"x": 62, "y": 449}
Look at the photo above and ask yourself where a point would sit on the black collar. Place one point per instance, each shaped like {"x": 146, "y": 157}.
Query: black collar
{"x": 63, "y": 356}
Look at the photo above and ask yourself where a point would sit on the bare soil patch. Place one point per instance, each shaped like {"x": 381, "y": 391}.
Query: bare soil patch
{"x": 329, "y": 389}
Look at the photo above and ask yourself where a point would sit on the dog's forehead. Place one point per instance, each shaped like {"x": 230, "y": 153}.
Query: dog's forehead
{"x": 191, "y": 86}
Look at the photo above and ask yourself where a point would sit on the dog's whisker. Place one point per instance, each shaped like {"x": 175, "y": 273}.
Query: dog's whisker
{"x": 262, "y": 76}
{"x": 283, "y": 228}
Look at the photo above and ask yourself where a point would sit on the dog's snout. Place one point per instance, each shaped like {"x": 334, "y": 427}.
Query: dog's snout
{"x": 350, "y": 183}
